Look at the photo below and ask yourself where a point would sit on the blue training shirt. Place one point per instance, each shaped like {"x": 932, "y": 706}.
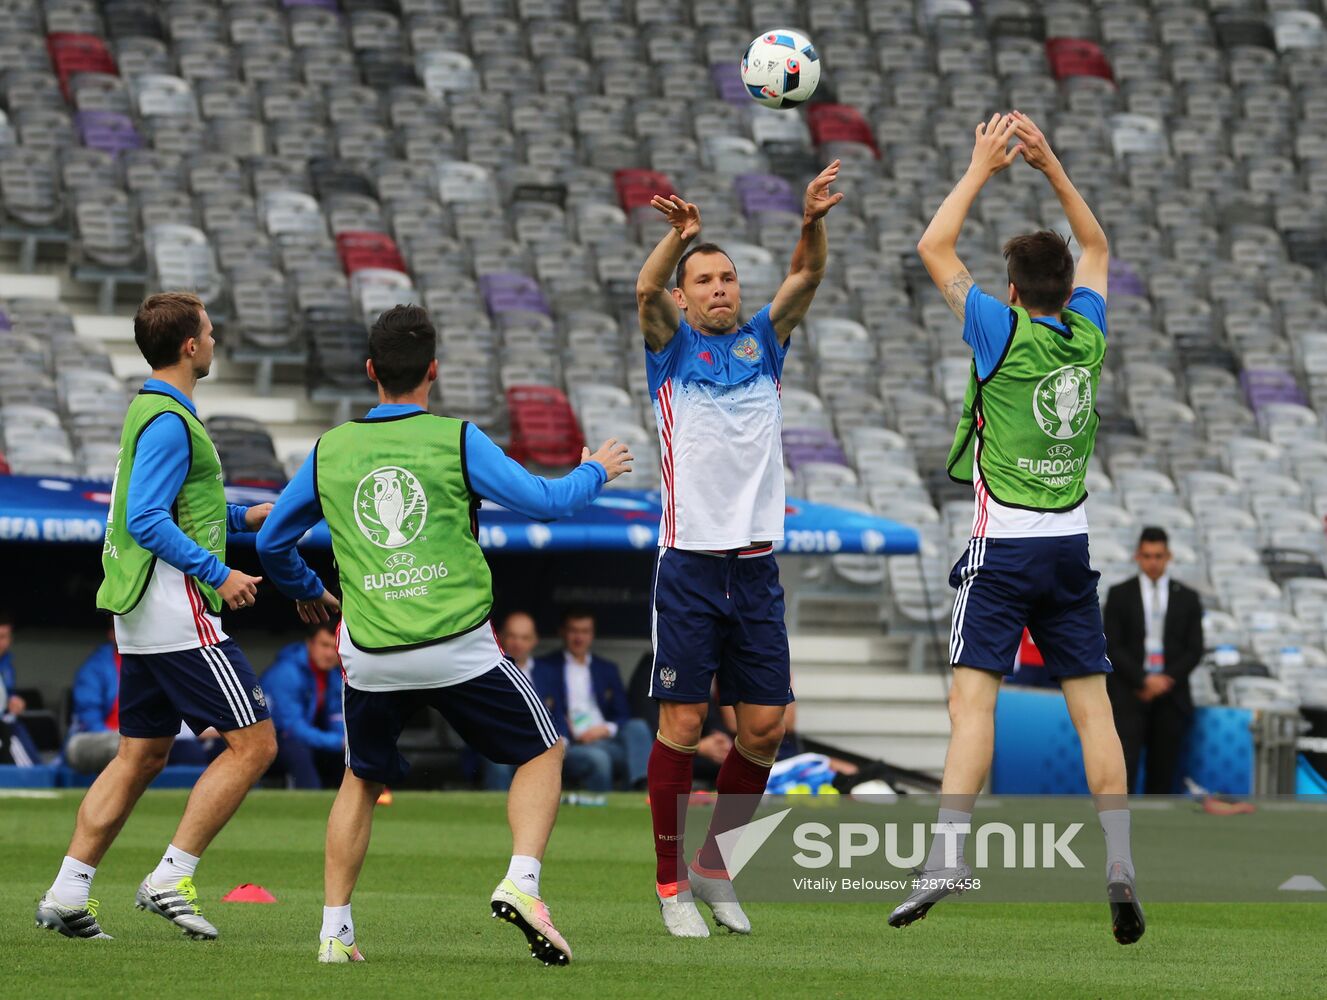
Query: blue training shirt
{"x": 988, "y": 323}
{"x": 719, "y": 415}
{"x": 492, "y": 475}
{"x": 161, "y": 463}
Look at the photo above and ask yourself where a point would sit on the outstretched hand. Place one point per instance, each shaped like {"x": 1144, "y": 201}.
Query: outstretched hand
{"x": 989, "y": 155}
{"x": 683, "y": 216}
{"x": 1036, "y": 149}
{"x": 818, "y": 199}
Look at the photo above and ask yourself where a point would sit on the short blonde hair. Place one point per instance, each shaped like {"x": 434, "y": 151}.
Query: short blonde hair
{"x": 163, "y": 323}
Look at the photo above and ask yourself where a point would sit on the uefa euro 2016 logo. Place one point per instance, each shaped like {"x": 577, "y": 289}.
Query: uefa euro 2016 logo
{"x": 1063, "y": 402}
{"x": 390, "y": 506}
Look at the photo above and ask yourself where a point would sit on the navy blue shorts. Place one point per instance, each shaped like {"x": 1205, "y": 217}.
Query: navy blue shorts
{"x": 717, "y": 614}
{"x": 498, "y": 714}
{"x": 211, "y": 686}
{"x": 1045, "y": 584}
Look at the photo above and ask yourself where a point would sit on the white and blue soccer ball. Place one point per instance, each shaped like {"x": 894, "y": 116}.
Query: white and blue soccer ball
{"x": 781, "y": 68}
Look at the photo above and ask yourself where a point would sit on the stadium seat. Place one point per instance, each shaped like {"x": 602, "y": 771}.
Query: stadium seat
{"x": 543, "y": 427}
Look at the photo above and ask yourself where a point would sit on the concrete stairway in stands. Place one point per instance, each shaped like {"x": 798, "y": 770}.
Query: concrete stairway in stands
{"x": 858, "y": 693}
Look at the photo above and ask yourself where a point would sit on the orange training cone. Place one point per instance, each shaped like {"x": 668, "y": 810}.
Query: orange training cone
{"x": 385, "y": 799}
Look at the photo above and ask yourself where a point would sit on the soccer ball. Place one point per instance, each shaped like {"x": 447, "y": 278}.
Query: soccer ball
{"x": 781, "y": 68}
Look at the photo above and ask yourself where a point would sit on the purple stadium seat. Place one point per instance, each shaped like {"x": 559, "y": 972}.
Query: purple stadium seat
{"x": 1123, "y": 280}
{"x": 109, "y": 131}
{"x": 1270, "y": 385}
{"x": 766, "y": 193}
{"x": 505, "y": 291}
{"x": 727, "y": 77}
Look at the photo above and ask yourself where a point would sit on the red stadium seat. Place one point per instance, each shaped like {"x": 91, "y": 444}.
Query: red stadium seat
{"x": 543, "y": 428}
{"x": 636, "y": 187}
{"x": 4, "y": 465}
{"x": 360, "y": 250}
{"x": 78, "y": 53}
{"x": 839, "y": 123}
{"x": 1077, "y": 57}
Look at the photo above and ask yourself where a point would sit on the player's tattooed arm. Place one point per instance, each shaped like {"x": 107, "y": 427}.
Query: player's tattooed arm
{"x": 955, "y": 291}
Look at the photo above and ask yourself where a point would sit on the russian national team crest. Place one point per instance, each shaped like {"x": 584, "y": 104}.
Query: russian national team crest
{"x": 390, "y": 506}
{"x": 1063, "y": 402}
{"x": 259, "y": 697}
{"x": 748, "y": 349}
{"x": 667, "y": 676}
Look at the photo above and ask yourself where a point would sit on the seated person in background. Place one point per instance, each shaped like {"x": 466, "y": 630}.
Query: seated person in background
{"x": 716, "y": 735}
{"x": 303, "y": 689}
{"x": 518, "y": 637}
{"x": 587, "y": 766}
{"x": 585, "y": 696}
{"x": 94, "y": 725}
{"x": 18, "y": 745}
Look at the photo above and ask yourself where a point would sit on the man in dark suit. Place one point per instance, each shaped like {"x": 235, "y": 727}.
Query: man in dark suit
{"x": 585, "y": 696}
{"x": 1154, "y": 635}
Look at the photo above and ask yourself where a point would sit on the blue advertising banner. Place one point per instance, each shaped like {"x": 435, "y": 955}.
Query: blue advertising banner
{"x": 35, "y": 509}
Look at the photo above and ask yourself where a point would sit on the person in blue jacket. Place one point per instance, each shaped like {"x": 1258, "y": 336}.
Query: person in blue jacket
{"x": 585, "y": 696}
{"x": 94, "y": 725}
{"x": 18, "y": 746}
{"x": 303, "y": 688}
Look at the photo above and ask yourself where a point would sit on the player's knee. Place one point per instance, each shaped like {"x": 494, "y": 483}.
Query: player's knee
{"x": 148, "y": 762}
{"x": 966, "y": 705}
{"x": 256, "y": 747}
{"x": 682, "y": 724}
{"x": 763, "y": 738}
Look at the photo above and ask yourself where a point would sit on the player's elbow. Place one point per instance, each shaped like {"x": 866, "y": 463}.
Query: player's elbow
{"x": 139, "y": 525}
{"x": 809, "y": 278}
{"x": 648, "y": 292}
{"x": 263, "y": 543}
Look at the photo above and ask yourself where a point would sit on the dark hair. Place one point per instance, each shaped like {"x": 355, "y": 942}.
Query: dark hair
{"x": 163, "y": 323}
{"x": 6, "y": 617}
{"x": 1154, "y": 534}
{"x": 699, "y": 248}
{"x": 402, "y": 343}
{"x": 317, "y": 627}
{"x": 506, "y": 619}
{"x": 575, "y": 614}
{"x": 1042, "y": 269}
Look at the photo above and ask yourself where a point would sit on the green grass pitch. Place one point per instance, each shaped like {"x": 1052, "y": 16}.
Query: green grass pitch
{"x": 422, "y": 920}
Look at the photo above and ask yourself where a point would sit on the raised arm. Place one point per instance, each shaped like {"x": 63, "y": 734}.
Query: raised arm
{"x": 808, "y": 264}
{"x": 496, "y": 477}
{"x": 659, "y": 314}
{"x": 1094, "y": 261}
{"x": 938, "y": 244}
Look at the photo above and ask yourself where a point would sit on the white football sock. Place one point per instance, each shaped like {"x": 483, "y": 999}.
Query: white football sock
{"x": 73, "y": 884}
{"x": 1115, "y": 825}
{"x": 338, "y": 923}
{"x": 936, "y": 860}
{"x": 524, "y": 873}
{"x": 175, "y": 865}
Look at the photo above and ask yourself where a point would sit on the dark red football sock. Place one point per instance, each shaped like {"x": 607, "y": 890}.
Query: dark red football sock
{"x": 669, "y": 777}
{"x": 741, "y": 783}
